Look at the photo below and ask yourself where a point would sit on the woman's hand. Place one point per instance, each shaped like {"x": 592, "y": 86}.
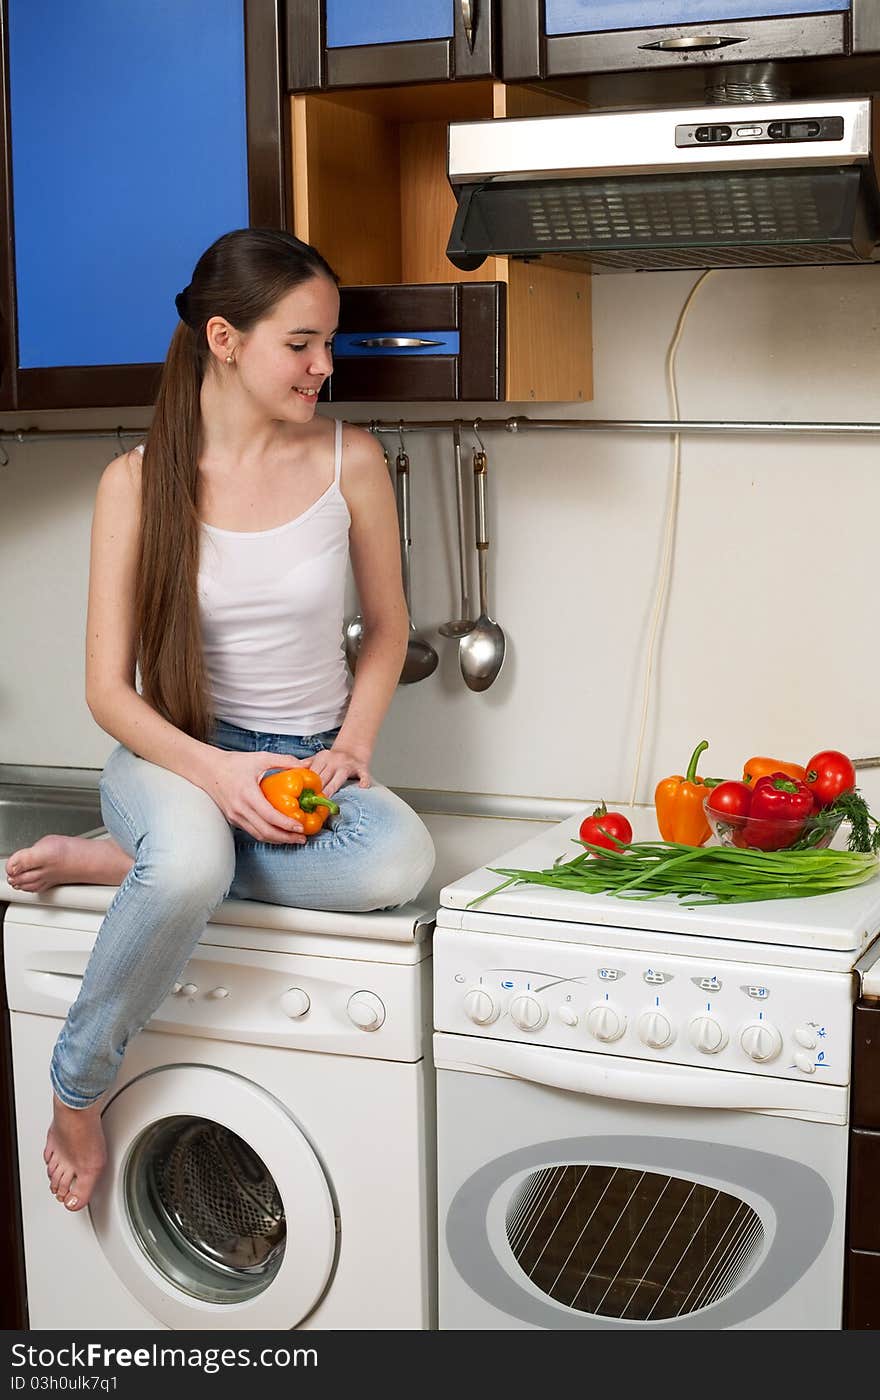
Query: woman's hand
{"x": 235, "y": 787}
{"x": 335, "y": 766}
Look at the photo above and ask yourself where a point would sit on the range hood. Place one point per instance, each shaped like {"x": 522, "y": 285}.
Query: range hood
{"x": 747, "y": 185}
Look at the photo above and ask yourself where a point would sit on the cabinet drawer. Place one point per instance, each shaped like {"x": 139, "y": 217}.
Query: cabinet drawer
{"x": 862, "y": 1308}
{"x": 597, "y": 16}
{"x": 399, "y": 343}
{"x": 864, "y": 1190}
{"x": 866, "y": 1067}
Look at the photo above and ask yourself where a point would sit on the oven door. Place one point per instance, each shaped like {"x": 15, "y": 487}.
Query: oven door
{"x": 585, "y": 1191}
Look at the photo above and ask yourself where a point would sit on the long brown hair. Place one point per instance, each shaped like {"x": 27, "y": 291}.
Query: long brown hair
{"x": 240, "y": 277}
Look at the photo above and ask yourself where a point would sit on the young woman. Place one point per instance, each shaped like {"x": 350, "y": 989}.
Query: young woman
{"x": 218, "y": 568}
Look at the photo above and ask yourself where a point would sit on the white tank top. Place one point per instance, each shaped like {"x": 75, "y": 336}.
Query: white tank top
{"x": 271, "y": 604}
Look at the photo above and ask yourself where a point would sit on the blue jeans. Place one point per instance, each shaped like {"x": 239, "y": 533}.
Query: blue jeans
{"x": 187, "y": 858}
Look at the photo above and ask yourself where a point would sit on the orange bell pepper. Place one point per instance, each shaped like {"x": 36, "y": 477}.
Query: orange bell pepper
{"x": 297, "y": 793}
{"x": 765, "y": 768}
{"x": 679, "y": 804}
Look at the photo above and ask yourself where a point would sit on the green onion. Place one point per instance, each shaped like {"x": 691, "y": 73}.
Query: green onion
{"x": 698, "y": 875}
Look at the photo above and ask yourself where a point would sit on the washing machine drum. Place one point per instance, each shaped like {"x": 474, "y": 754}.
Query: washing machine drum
{"x": 216, "y": 1210}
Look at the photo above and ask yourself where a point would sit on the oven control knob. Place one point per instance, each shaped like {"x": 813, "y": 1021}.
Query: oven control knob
{"x": 527, "y": 1013}
{"x": 655, "y": 1030}
{"x": 188, "y": 989}
{"x": 295, "y": 1003}
{"x": 366, "y": 1010}
{"x": 805, "y": 1062}
{"x": 480, "y": 1007}
{"x": 707, "y": 1035}
{"x": 605, "y": 1022}
{"x": 761, "y": 1041}
{"x": 567, "y": 1015}
{"x": 806, "y": 1036}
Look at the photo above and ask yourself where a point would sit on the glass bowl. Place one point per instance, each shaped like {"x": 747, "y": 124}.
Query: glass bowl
{"x": 767, "y": 834}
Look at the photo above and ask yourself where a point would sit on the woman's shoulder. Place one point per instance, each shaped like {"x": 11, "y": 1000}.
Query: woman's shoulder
{"x": 362, "y": 452}
{"x": 121, "y": 480}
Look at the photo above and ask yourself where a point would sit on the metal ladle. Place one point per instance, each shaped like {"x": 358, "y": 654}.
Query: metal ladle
{"x": 421, "y": 659}
{"x": 465, "y": 621}
{"x": 354, "y": 629}
{"x": 481, "y": 651}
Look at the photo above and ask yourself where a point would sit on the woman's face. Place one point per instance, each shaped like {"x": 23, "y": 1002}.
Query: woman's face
{"x": 285, "y": 359}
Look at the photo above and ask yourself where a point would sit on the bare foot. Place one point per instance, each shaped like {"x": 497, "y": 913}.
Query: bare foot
{"x": 75, "y": 1153}
{"x": 67, "y": 860}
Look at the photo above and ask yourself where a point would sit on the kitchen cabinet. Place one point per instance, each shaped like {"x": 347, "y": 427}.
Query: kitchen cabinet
{"x": 371, "y": 191}
{"x": 345, "y": 43}
{"x": 132, "y": 136}
{"x": 556, "y": 38}
{"x": 862, "y": 1294}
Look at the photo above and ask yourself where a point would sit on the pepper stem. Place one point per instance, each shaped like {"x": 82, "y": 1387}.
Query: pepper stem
{"x": 309, "y": 800}
{"x": 695, "y": 758}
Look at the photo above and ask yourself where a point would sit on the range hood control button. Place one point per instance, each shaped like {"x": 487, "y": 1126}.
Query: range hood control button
{"x": 794, "y": 131}
{"x": 710, "y": 135}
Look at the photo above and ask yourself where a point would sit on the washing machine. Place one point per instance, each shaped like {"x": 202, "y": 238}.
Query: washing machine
{"x": 270, "y": 1136}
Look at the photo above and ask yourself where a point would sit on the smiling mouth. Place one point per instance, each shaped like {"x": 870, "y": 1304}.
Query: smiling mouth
{"x": 306, "y": 393}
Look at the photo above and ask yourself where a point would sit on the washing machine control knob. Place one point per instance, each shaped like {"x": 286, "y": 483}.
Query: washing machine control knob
{"x": 655, "y": 1030}
{"x": 605, "y": 1022}
{"x": 188, "y": 989}
{"x": 366, "y": 1010}
{"x": 707, "y": 1034}
{"x": 479, "y": 1006}
{"x": 761, "y": 1041}
{"x": 295, "y": 1003}
{"x": 527, "y": 1013}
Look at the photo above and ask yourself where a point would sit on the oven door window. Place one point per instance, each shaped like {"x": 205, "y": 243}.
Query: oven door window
{"x": 636, "y": 1245}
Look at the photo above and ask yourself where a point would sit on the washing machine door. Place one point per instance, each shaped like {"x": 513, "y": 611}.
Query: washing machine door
{"x": 217, "y": 1212}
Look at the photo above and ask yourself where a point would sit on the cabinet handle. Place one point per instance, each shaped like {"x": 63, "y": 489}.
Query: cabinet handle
{"x": 469, "y": 21}
{"x": 394, "y": 342}
{"x": 694, "y": 43}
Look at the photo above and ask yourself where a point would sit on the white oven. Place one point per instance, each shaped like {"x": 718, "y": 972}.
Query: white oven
{"x": 641, "y": 1127}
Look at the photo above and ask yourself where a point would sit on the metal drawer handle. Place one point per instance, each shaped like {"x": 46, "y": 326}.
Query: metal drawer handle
{"x": 694, "y": 43}
{"x": 469, "y": 20}
{"x": 394, "y": 342}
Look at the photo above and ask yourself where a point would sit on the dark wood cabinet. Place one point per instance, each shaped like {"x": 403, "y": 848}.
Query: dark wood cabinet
{"x": 862, "y": 1292}
{"x": 560, "y": 38}
{"x": 444, "y": 341}
{"x": 346, "y": 43}
{"x": 132, "y": 137}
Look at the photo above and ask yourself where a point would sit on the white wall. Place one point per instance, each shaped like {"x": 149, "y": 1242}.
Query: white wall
{"x": 770, "y": 642}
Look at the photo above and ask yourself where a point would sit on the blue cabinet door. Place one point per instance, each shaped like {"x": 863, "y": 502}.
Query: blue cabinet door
{"x": 599, "y": 16}
{"x": 129, "y": 156}
{"x": 351, "y": 22}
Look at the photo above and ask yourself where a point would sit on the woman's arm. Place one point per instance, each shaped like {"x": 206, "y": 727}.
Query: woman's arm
{"x": 374, "y": 545}
{"x": 232, "y": 780}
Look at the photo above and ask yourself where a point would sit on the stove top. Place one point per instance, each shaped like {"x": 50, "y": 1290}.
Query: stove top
{"x": 846, "y": 923}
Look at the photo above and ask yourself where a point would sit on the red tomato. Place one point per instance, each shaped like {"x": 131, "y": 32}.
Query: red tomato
{"x": 731, "y": 799}
{"x": 611, "y": 830}
{"x": 829, "y": 774}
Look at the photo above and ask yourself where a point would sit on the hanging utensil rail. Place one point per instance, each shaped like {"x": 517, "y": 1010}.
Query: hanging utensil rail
{"x": 513, "y": 424}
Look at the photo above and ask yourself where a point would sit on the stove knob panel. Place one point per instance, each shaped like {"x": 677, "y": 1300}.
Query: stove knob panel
{"x": 707, "y": 1034}
{"x": 655, "y": 1030}
{"x": 295, "y": 1003}
{"x": 606, "y": 1022}
{"x": 761, "y": 1041}
{"x": 527, "y": 1013}
{"x": 366, "y": 1010}
{"x": 480, "y": 1007}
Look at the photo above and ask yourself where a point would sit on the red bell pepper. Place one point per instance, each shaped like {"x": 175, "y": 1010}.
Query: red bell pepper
{"x": 779, "y": 811}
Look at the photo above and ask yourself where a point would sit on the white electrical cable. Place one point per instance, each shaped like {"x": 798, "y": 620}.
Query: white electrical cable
{"x": 669, "y": 533}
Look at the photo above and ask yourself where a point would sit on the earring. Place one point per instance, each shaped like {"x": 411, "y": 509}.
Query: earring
{"x": 230, "y": 358}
